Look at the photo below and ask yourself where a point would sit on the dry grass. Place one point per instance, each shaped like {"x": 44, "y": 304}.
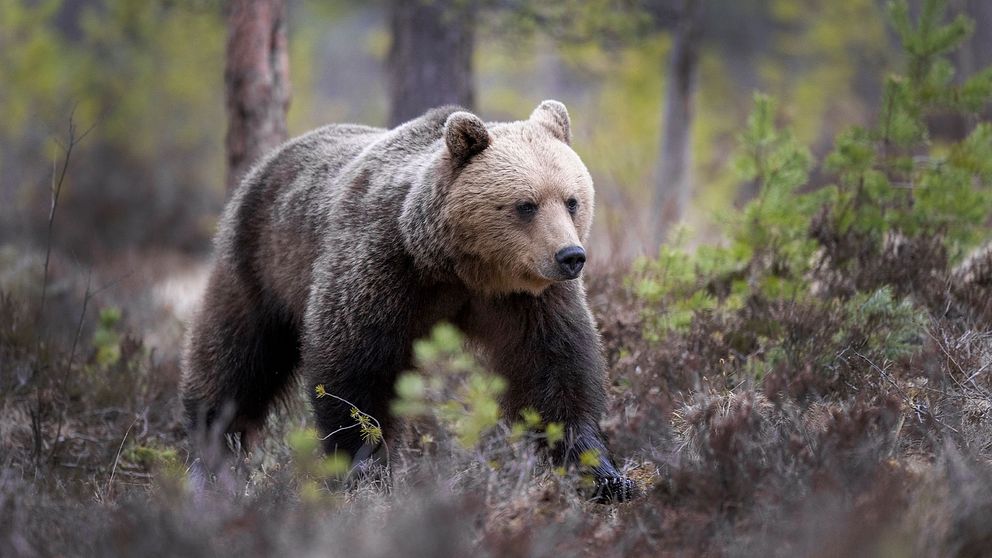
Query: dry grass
{"x": 896, "y": 463}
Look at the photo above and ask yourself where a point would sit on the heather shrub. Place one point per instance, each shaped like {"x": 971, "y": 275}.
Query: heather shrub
{"x": 820, "y": 288}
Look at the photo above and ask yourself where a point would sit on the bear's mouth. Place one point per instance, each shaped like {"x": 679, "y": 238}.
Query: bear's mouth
{"x": 561, "y": 277}
{"x": 553, "y": 273}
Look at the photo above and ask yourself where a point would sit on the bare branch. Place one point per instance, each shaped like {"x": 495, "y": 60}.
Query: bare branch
{"x": 56, "y": 191}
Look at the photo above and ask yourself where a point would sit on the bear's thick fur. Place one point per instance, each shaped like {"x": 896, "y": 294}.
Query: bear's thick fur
{"x": 348, "y": 243}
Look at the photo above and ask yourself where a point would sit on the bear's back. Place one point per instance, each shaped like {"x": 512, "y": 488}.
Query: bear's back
{"x": 336, "y": 189}
{"x": 272, "y": 225}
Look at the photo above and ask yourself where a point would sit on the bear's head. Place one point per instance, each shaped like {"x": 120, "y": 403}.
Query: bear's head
{"x": 520, "y": 202}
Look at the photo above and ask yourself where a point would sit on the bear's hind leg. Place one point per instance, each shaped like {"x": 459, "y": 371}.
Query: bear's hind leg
{"x": 241, "y": 354}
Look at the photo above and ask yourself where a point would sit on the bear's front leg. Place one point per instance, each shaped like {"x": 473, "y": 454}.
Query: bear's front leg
{"x": 350, "y": 360}
{"x": 610, "y": 485}
{"x": 548, "y": 349}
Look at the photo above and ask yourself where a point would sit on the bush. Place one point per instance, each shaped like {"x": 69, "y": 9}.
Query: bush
{"x": 836, "y": 282}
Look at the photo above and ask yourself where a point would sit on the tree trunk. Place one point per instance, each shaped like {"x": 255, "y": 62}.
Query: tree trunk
{"x": 256, "y": 79}
{"x": 430, "y": 59}
{"x": 673, "y": 184}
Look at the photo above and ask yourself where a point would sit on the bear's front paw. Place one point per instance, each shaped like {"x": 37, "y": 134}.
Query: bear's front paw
{"x": 614, "y": 490}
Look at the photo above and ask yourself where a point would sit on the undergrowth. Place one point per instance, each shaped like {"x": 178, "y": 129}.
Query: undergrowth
{"x": 817, "y": 385}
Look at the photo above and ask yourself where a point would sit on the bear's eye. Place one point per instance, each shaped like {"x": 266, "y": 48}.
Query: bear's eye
{"x": 526, "y": 209}
{"x": 572, "y": 204}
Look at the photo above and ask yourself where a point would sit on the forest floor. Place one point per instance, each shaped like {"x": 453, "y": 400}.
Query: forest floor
{"x": 94, "y": 458}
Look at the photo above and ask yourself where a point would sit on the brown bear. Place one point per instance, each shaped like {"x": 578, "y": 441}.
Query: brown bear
{"x": 346, "y": 244}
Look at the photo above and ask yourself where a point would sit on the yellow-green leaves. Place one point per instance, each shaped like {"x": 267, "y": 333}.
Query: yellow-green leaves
{"x": 308, "y": 458}
{"x": 369, "y": 427}
{"x": 107, "y": 338}
{"x": 554, "y": 432}
{"x": 451, "y": 385}
{"x": 475, "y": 409}
{"x": 590, "y": 458}
{"x": 411, "y": 395}
{"x": 311, "y": 466}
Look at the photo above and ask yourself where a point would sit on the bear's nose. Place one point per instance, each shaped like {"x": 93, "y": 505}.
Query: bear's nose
{"x": 570, "y": 259}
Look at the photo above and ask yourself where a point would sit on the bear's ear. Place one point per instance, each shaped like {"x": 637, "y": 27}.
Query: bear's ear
{"x": 466, "y": 136}
{"x": 554, "y": 116}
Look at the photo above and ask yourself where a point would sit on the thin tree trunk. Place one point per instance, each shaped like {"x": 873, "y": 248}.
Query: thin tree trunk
{"x": 673, "y": 181}
{"x": 256, "y": 78}
{"x": 430, "y": 59}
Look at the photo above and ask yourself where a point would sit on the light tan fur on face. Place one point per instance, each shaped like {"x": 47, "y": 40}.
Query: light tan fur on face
{"x": 499, "y": 251}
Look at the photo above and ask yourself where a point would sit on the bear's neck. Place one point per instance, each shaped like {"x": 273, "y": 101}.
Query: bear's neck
{"x": 426, "y": 233}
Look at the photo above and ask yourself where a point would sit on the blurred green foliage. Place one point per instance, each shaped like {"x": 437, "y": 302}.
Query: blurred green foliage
{"x": 107, "y": 338}
{"x": 806, "y": 53}
{"x": 311, "y": 466}
{"x": 452, "y": 387}
{"x": 152, "y": 457}
{"x": 893, "y": 177}
{"x": 470, "y": 405}
{"x": 795, "y": 252}
{"x": 144, "y": 80}
{"x": 148, "y": 73}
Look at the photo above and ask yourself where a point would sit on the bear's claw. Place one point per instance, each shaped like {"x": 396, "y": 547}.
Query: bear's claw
{"x": 614, "y": 490}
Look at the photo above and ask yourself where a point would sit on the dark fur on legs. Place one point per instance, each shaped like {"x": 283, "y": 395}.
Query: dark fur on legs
{"x": 245, "y": 350}
{"x": 548, "y": 350}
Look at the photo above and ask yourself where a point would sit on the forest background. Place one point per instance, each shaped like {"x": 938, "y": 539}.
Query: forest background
{"x": 789, "y": 265}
